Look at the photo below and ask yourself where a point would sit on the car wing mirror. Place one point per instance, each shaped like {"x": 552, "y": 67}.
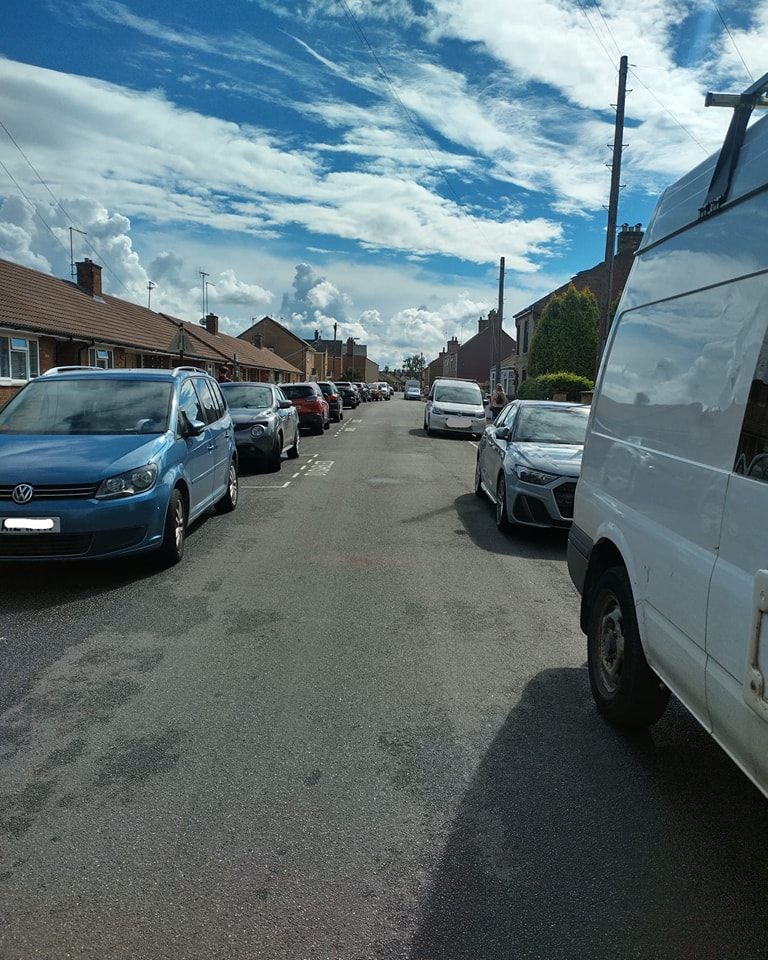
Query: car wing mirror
{"x": 284, "y": 404}
{"x": 193, "y": 427}
{"x": 502, "y": 433}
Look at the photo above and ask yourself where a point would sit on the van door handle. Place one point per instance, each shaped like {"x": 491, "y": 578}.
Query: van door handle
{"x": 757, "y": 652}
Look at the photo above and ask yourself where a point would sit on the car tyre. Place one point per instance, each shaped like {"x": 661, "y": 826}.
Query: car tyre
{"x": 174, "y": 532}
{"x": 228, "y": 502}
{"x": 479, "y": 492}
{"x": 294, "y": 451}
{"x": 319, "y": 428}
{"x": 275, "y": 457}
{"x": 625, "y": 689}
{"x": 502, "y": 517}
{"x": 427, "y": 428}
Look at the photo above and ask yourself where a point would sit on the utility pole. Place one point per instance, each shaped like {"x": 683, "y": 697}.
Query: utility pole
{"x": 613, "y": 206}
{"x": 496, "y": 328}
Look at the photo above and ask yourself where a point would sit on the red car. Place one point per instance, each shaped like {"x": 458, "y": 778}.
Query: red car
{"x": 311, "y": 404}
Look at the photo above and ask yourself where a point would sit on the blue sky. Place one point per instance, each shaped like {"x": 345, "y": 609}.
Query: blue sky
{"x": 358, "y": 163}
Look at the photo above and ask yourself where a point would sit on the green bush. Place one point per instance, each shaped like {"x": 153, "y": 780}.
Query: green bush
{"x": 566, "y": 335}
{"x": 544, "y": 388}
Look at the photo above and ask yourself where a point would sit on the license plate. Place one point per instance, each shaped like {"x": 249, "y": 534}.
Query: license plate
{"x": 31, "y": 525}
{"x": 458, "y": 423}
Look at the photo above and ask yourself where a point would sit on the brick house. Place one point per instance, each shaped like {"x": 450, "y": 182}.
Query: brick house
{"x": 470, "y": 360}
{"x": 48, "y": 322}
{"x": 270, "y": 335}
{"x": 627, "y": 242}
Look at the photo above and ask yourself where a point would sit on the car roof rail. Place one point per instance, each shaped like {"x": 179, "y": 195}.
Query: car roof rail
{"x": 743, "y": 104}
{"x": 52, "y": 371}
{"x": 188, "y": 370}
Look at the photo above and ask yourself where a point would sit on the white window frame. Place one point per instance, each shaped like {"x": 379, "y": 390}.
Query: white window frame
{"x": 101, "y": 357}
{"x": 15, "y": 350}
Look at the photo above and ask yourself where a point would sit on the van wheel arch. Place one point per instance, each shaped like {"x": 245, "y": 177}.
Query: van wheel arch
{"x": 626, "y": 690}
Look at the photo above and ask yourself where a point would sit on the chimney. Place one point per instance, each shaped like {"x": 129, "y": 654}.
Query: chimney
{"x": 453, "y": 345}
{"x": 89, "y": 277}
{"x": 483, "y": 322}
{"x": 211, "y": 324}
{"x": 629, "y": 238}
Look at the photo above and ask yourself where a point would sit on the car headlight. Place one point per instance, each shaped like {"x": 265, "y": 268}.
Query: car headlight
{"x": 258, "y": 430}
{"x": 128, "y": 484}
{"x": 437, "y": 411}
{"x": 528, "y": 475}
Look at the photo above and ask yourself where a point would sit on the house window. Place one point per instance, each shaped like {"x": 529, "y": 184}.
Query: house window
{"x": 19, "y": 358}
{"x": 100, "y": 358}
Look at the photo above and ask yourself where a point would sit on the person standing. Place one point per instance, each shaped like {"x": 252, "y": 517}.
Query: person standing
{"x": 498, "y": 401}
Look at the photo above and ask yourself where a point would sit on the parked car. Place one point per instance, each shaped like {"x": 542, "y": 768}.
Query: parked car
{"x": 349, "y": 394}
{"x": 375, "y": 390}
{"x": 386, "y": 390}
{"x": 332, "y": 393}
{"x": 528, "y": 462}
{"x": 668, "y": 543}
{"x": 311, "y": 404}
{"x": 454, "y": 406}
{"x": 412, "y": 390}
{"x": 363, "y": 391}
{"x": 266, "y": 422}
{"x": 106, "y": 463}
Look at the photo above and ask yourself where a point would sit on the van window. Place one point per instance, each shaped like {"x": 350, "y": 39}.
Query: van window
{"x": 458, "y": 393}
{"x": 677, "y": 375}
{"x": 752, "y": 451}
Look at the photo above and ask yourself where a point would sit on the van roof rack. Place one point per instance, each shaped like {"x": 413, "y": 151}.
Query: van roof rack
{"x": 743, "y": 104}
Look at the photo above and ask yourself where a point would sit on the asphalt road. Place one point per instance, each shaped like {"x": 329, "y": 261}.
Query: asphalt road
{"x": 353, "y": 724}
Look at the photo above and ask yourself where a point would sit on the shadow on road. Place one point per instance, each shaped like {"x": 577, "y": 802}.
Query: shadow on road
{"x": 478, "y": 518}
{"x": 576, "y": 843}
{"x": 39, "y": 585}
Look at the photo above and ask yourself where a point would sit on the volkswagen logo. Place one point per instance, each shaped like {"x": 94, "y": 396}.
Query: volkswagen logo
{"x": 23, "y": 493}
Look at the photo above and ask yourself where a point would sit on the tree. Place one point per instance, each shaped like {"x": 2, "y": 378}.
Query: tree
{"x": 413, "y": 367}
{"x": 565, "y": 340}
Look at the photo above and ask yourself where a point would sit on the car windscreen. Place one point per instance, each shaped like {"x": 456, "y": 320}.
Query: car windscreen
{"x": 297, "y": 391}
{"x": 552, "y": 425}
{"x": 240, "y": 396}
{"x": 458, "y": 393}
{"x": 88, "y": 406}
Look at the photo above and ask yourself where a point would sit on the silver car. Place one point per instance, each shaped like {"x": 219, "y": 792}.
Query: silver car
{"x": 266, "y": 422}
{"x": 529, "y": 460}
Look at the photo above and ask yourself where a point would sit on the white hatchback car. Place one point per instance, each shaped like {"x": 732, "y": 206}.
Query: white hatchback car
{"x": 455, "y": 406}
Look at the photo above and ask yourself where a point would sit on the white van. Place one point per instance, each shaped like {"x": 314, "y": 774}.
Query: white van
{"x": 669, "y": 544}
{"x": 454, "y": 406}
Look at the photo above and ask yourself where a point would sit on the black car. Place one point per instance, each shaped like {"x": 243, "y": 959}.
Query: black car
{"x": 334, "y": 398}
{"x": 349, "y": 394}
{"x": 266, "y": 422}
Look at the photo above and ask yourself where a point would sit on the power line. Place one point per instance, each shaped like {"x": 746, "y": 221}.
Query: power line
{"x": 735, "y": 46}
{"x": 417, "y": 130}
{"x": 56, "y": 203}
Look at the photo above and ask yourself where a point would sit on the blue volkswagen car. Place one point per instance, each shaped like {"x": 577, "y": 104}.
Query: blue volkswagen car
{"x": 107, "y": 463}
